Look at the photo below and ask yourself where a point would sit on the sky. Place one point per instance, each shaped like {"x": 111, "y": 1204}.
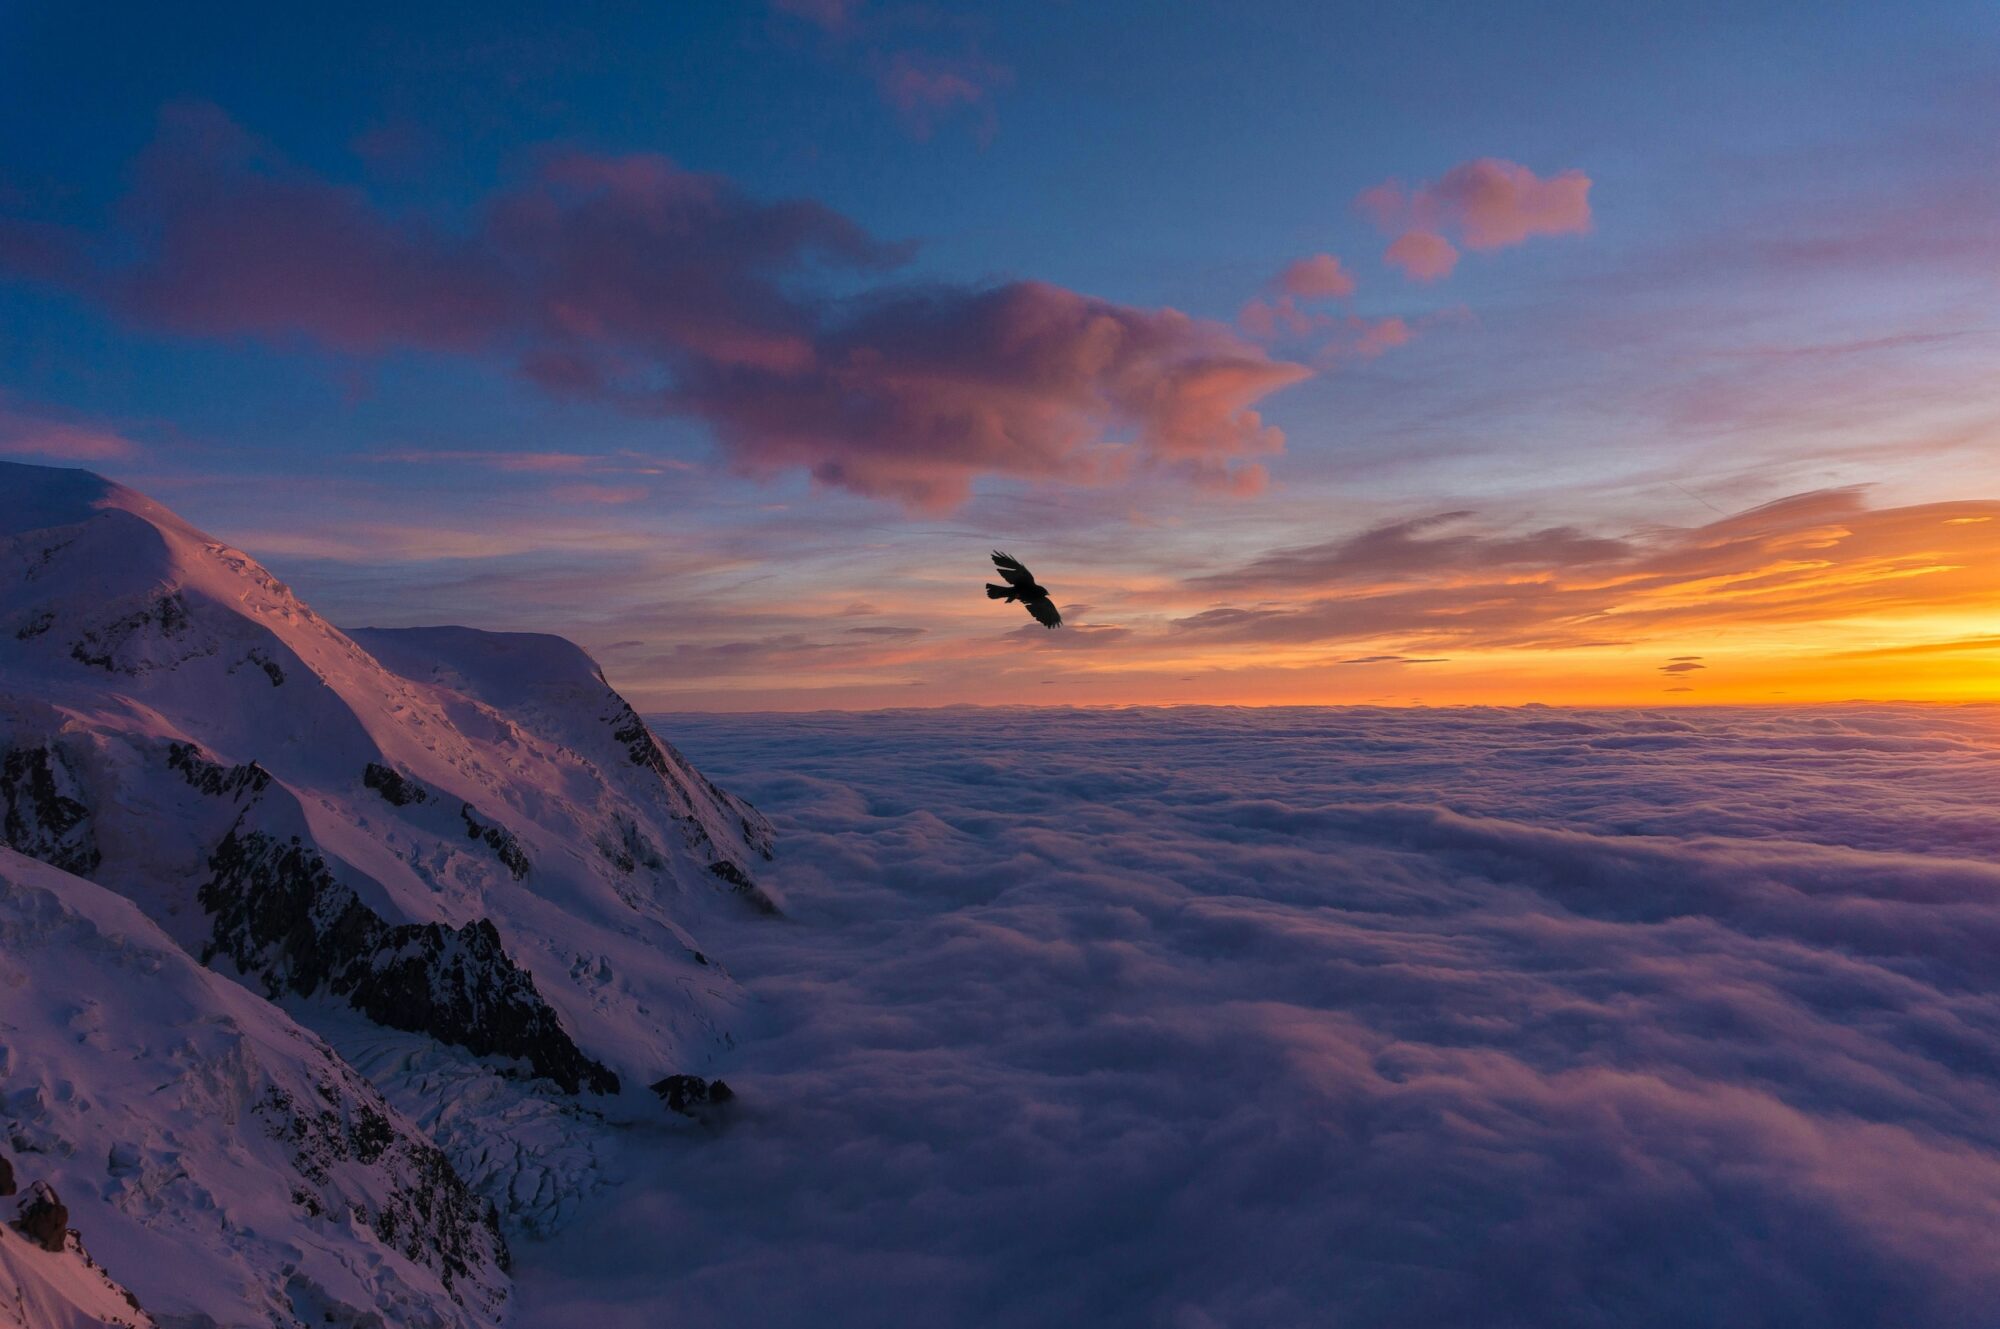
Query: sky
{"x": 1309, "y": 353}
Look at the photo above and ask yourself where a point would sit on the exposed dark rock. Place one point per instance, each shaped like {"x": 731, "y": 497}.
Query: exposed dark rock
{"x": 740, "y": 883}
{"x": 45, "y": 816}
{"x": 46, "y": 558}
{"x": 215, "y": 779}
{"x": 499, "y": 839}
{"x": 640, "y": 745}
{"x": 758, "y": 837}
{"x": 43, "y": 1217}
{"x": 645, "y": 748}
{"x": 398, "y": 788}
{"x": 630, "y": 849}
{"x": 35, "y": 626}
{"x": 428, "y": 1212}
{"x": 280, "y": 915}
{"x": 7, "y": 1186}
{"x": 105, "y": 646}
{"x": 262, "y": 659}
{"x": 689, "y": 1094}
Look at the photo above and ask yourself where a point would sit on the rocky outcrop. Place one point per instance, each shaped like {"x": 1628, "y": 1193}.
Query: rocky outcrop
{"x": 281, "y": 916}
{"x": 261, "y": 659}
{"x": 226, "y": 1163}
{"x": 156, "y": 635}
{"x": 497, "y": 838}
{"x": 46, "y": 816}
{"x": 215, "y": 779}
{"x": 43, "y": 1218}
{"x": 740, "y": 883}
{"x": 689, "y": 1095}
{"x": 398, "y": 789}
{"x": 631, "y": 850}
{"x": 428, "y": 1214}
{"x": 462, "y": 845}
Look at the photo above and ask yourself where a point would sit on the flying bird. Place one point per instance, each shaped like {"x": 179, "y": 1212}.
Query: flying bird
{"x": 1021, "y": 585}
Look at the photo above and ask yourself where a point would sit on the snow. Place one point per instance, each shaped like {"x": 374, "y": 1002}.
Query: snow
{"x": 1266, "y": 1018}
{"x": 40, "y": 1290}
{"x": 473, "y": 838}
{"x": 130, "y": 632}
{"x": 149, "y": 1092}
{"x": 1172, "y": 1019}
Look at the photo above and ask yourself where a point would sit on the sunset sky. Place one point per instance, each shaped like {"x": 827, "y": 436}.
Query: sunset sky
{"x": 1441, "y": 353}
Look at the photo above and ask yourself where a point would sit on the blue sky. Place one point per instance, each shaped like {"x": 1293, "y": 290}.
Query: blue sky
{"x": 1782, "y": 281}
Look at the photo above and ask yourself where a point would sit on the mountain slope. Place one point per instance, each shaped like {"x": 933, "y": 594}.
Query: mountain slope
{"x": 466, "y": 837}
{"x": 60, "y": 1290}
{"x": 218, "y": 1159}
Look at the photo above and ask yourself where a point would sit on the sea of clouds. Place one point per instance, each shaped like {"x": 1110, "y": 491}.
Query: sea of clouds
{"x": 1215, "y": 1017}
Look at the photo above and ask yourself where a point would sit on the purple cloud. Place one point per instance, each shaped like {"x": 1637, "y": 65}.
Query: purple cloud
{"x": 664, "y": 292}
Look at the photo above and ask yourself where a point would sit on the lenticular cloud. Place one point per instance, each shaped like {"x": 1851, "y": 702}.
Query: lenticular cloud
{"x": 1273, "y": 1018}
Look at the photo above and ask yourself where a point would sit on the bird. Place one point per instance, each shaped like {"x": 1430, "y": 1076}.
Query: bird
{"x": 1021, "y": 585}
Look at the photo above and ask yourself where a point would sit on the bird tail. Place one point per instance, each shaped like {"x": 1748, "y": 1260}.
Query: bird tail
{"x": 999, "y": 592}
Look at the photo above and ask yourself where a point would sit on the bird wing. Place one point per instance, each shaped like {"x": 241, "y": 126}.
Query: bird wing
{"x": 1044, "y": 610}
{"x": 1012, "y": 570}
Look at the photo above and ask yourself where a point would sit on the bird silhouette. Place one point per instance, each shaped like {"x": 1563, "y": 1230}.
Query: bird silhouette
{"x": 1022, "y": 586}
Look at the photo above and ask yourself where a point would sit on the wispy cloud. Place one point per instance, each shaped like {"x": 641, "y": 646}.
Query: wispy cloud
{"x": 924, "y": 89}
{"x": 53, "y": 436}
{"x": 1819, "y": 557}
{"x": 925, "y": 84}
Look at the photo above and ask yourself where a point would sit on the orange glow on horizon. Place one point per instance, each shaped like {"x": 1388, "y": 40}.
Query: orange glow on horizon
{"x": 1814, "y": 599}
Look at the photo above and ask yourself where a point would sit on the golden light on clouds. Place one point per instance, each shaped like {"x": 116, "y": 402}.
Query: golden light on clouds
{"x": 1817, "y": 597}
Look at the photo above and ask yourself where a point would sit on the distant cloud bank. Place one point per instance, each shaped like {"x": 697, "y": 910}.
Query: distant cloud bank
{"x": 1213, "y": 1017}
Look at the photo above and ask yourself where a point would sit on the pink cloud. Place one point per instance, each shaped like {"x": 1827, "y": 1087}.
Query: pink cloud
{"x": 1385, "y": 204}
{"x": 243, "y": 245}
{"x": 1437, "y": 582}
{"x": 1499, "y": 203}
{"x": 667, "y": 293}
{"x": 1319, "y": 277}
{"x": 930, "y": 389}
{"x": 1422, "y": 255}
{"x": 1366, "y": 338}
{"x": 1381, "y": 335}
{"x": 1486, "y": 203}
{"x": 924, "y": 88}
{"x": 1269, "y": 320}
{"x": 31, "y": 434}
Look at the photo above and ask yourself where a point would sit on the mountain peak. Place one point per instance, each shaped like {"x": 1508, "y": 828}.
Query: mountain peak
{"x": 38, "y": 497}
{"x": 463, "y": 845}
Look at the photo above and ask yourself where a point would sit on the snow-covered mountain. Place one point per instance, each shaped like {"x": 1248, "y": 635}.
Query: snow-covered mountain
{"x": 65, "y": 1290}
{"x": 216, "y": 1158}
{"x": 459, "y": 856}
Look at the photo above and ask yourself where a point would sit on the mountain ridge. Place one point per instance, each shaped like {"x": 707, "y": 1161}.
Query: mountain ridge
{"x": 468, "y": 841}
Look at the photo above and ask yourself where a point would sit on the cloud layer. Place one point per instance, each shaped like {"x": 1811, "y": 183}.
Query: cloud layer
{"x": 1436, "y": 582}
{"x": 1222, "y": 1017}
{"x": 659, "y": 291}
